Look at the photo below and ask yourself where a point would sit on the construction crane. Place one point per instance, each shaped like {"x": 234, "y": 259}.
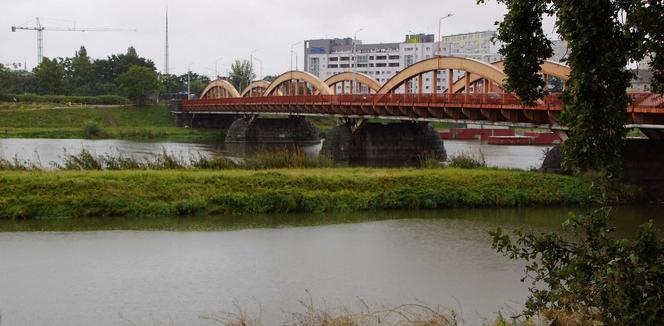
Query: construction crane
{"x": 40, "y": 30}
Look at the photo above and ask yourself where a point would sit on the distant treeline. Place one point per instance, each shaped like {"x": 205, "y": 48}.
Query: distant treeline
{"x": 82, "y": 76}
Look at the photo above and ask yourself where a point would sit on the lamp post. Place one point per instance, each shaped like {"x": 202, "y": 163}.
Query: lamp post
{"x": 216, "y": 72}
{"x": 354, "y": 61}
{"x": 251, "y": 58}
{"x": 440, "y": 36}
{"x": 260, "y": 64}
{"x": 291, "y": 53}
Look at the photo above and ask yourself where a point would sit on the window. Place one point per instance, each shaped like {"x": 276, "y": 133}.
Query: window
{"x": 344, "y": 58}
{"x": 381, "y": 65}
{"x": 362, "y": 65}
{"x": 334, "y": 58}
{"x": 333, "y": 66}
{"x": 381, "y": 57}
{"x": 344, "y": 65}
{"x": 371, "y": 57}
{"x": 394, "y": 57}
{"x": 394, "y": 64}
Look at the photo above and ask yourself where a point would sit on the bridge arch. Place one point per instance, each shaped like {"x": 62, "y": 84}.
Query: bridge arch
{"x": 470, "y": 66}
{"x": 219, "y": 88}
{"x": 362, "y": 79}
{"x": 257, "y": 87}
{"x": 297, "y": 77}
{"x": 550, "y": 68}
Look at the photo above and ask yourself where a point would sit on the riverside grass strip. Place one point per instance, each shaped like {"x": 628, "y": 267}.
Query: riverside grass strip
{"x": 98, "y": 194}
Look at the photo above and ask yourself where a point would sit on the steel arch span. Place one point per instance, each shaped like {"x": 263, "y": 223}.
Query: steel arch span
{"x": 219, "y": 88}
{"x": 470, "y": 66}
{"x": 257, "y": 86}
{"x": 287, "y": 79}
{"x": 362, "y": 79}
{"x": 549, "y": 68}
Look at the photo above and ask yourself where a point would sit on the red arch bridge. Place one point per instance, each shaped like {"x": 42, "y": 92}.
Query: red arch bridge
{"x": 472, "y": 94}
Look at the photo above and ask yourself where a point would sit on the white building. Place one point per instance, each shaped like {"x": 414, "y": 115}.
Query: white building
{"x": 327, "y": 57}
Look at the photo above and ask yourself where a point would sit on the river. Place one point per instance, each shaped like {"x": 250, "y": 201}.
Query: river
{"x": 45, "y": 151}
{"x": 264, "y": 264}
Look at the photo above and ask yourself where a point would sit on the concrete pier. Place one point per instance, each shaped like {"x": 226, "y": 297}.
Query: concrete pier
{"x": 643, "y": 162}
{"x": 294, "y": 130}
{"x": 384, "y": 143}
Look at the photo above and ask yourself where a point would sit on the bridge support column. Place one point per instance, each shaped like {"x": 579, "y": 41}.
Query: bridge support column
{"x": 383, "y": 144}
{"x": 642, "y": 165}
{"x": 256, "y": 130}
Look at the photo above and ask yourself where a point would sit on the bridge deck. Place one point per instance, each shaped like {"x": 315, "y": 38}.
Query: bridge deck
{"x": 646, "y": 110}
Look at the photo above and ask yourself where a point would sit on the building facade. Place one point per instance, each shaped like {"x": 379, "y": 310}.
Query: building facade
{"x": 328, "y": 57}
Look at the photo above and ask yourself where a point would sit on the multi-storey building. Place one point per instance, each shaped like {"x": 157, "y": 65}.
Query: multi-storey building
{"x": 327, "y": 57}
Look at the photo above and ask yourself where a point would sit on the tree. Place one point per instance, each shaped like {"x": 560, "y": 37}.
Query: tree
{"x": 270, "y": 78}
{"x": 138, "y": 83}
{"x": 108, "y": 70}
{"x": 81, "y": 73}
{"x": 50, "y": 76}
{"x": 241, "y": 74}
{"x": 594, "y": 276}
{"x": 603, "y": 36}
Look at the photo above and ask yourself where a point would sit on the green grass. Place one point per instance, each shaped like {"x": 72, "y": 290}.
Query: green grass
{"x": 64, "y": 194}
{"x": 57, "y": 121}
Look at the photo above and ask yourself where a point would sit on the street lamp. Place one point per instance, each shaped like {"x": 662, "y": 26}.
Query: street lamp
{"x": 291, "y": 53}
{"x": 251, "y": 58}
{"x": 354, "y": 62}
{"x": 260, "y": 64}
{"x": 440, "y": 36}
{"x": 216, "y": 72}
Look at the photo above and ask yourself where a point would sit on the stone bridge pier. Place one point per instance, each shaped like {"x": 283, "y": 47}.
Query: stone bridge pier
{"x": 359, "y": 141}
{"x": 261, "y": 130}
{"x": 642, "y": 165}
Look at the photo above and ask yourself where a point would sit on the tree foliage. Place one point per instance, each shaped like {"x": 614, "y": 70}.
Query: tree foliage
{"x": 603, "y": 37}
{"x": 594, "y": 276}
{"x": 241, "y": 74}
{"x": 50, "y": 76}
{"x": 139, "y": 83}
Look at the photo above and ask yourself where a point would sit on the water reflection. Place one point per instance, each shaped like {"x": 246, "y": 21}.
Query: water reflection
{"x": 45, "y": 151}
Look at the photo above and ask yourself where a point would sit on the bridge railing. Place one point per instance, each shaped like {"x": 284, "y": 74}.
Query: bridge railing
{"x": 492, "y": 100}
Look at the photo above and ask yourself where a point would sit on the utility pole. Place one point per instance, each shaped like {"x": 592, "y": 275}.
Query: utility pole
{"x": 40, "y": 31}
{"x": 354, "y": 62}
{"x": 189, "y": 82}
{"x": 440, "y": 36}
{"x": 166, "y": 59}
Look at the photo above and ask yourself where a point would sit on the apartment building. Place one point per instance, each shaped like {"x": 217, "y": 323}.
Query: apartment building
{"x": 327, "y": 57}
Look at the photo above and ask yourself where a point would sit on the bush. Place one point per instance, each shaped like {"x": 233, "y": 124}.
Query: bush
{"x": 595, "y": 276}
{"x": 64, "y": 99}
{"x": 467, "y": 161}
{"x": 93, "y": 130}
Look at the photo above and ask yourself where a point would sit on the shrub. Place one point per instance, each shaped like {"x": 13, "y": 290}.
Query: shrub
{"x": 594, "y": 276}
{"x": 93, "y": 129}
{"x": 467, "y": 161}
{"x": 64, "y": 99}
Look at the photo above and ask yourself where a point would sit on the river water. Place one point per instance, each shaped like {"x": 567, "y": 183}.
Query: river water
{"x": 117, "y": 273}
{"x": 265, "y": 264}
{"x": 45, "y": 151}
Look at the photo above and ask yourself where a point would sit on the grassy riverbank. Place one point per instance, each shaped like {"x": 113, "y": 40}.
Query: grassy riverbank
{"x": 115, "y": 122}
{"x": 65, "y": 194}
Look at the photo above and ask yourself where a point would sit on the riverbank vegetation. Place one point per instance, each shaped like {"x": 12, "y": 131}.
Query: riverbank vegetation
{"x": 42, "y": 120}
{"x": 98, "y": 194}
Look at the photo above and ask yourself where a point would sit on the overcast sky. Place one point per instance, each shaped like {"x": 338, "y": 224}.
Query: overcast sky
{"x": 202, "y": 31}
